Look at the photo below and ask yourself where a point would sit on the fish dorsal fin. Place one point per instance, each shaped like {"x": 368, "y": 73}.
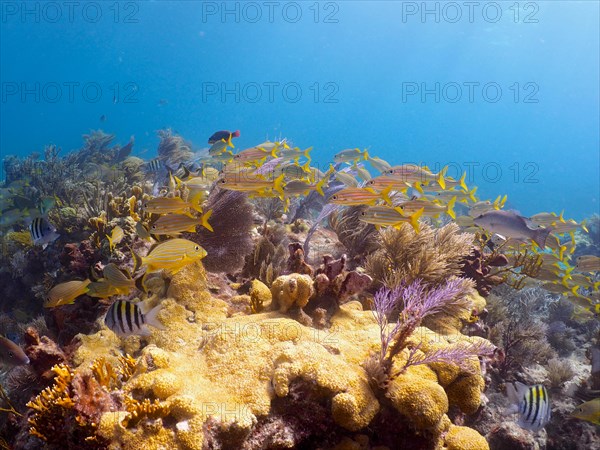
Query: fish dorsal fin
{"x": 512, "y": 394}
{"x": 521, "y": 389}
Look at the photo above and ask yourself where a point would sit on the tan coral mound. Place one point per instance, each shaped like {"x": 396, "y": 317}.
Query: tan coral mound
{"x": 206, "y": 367}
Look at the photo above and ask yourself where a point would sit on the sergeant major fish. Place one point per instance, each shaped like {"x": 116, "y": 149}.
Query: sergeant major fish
{"x": 126, "y": 318}
{"x": 531, "y": 402}
{"x": 42, "y": 232}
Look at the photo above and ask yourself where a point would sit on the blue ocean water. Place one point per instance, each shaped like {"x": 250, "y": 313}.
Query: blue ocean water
{"x": 508, "y": 91}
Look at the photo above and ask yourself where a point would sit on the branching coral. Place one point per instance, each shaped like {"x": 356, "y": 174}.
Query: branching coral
{"x": 68, "y": 412}
{"x": 559, "y": 372}
{"x": 173, "y": 149}
{"x": 267, "y": 261}
{"x": 145, "y": 409}
{"x": 52, "y": 405}
{"x": 517, "y": 327}
{"x": 433, "y": 255}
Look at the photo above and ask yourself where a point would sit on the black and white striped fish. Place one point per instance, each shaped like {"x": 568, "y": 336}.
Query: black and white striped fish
{"x": 42, "y": 232}
{"x": 154, "y": 165}
{"x": 531, "y": 402}
{"x": 127, "y": 318}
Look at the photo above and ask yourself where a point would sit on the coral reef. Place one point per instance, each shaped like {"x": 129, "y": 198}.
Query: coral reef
{"x": 384, "y": 338}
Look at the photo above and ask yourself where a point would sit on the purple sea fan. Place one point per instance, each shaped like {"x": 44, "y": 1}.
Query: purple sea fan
{"x": 416, "y": 302}
{"x": 232, "y": 221}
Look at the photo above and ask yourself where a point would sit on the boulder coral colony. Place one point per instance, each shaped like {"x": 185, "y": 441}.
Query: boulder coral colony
{"x": 257, "y": 302}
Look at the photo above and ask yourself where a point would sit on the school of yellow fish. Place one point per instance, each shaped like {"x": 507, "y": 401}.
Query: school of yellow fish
{"x": 394, "y": 196}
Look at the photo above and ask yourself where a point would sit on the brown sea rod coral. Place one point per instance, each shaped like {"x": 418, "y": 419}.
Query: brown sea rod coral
{"x": 433, "y": 255}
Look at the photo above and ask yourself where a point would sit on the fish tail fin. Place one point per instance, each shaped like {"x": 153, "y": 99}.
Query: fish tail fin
{"x": 462, "y": 182}
{"x": 385, "y": 195}
{"x": 440, "y": 179}
{"x": 319, "y": 186}
{"x": 306, "y": 167}
{"x": 419, "y": 187}
{"x": 151, "y": 318}
{"x": 196, "y": 201}
{"x": 229, "y": 143}
{"x": 575, "y": 290}
{"x": 561, "y": 218}
{"x": 503, "y": 201}
{"x": 414, "y": 220}
{"x": 583, "y": 226}
{"x": 472, "y": 194}
{"x": 186, "y": 173}
{"x": 365, "y": 155}
{"x": 111, "y": 246}
{"x": 540, "y": 237}
{"x": 205, "y": 218}
{"x": 138, "y": 261}
{"x": 450, "y": 208}
{"x": 278, "y": 185}
{"x": 306, "y": 153}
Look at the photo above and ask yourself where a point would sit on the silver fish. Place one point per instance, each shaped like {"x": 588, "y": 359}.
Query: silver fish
{"x": 510, "y": 224}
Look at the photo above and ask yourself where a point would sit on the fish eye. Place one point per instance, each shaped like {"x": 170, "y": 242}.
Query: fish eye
{"x": 334, "y": 197}
{"x": 197, "y": 247}
{"x": 11, "y": 354}
{"x": 223, "y": 181}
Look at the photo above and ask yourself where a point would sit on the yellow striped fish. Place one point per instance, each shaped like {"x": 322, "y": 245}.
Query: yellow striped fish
{"x": 301, "y": 187}
{"x": 118, "y": 278}
{"x": 175, "y": 224}
{"x": 172, "y": 256}
{"x": 352, "y": 196}
{"x": 589, "y": 411}
{"x": 102, "y": 289}
{"x": 389, "y": 216}
{"x": 247, "y": 184}
{"x": 429, "y": 209}
{"x": 588, "y": 263}
{"x": 383, "y": 181}
{"x": 165, "y": 205}
{"x": 115, "y": 237}
{"x": 411, "y": 173}
{"x": 66, "y": 293}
